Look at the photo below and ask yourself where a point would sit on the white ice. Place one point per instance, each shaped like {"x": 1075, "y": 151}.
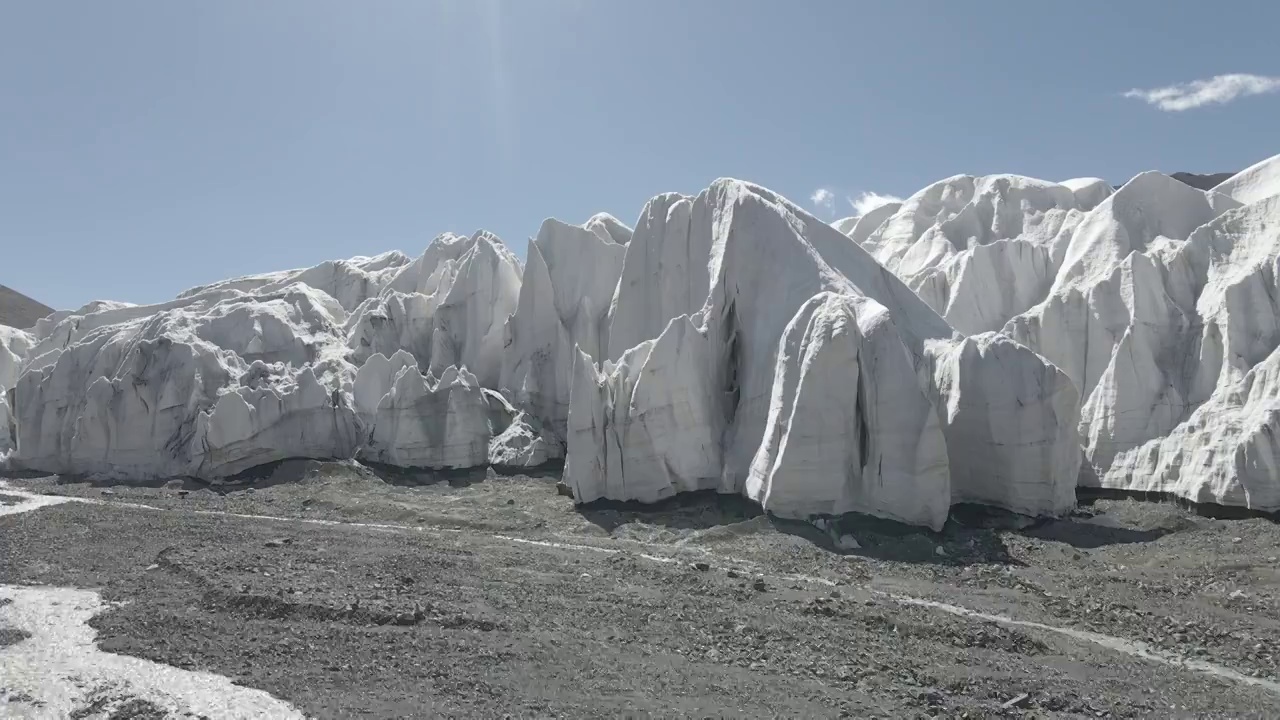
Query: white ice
{"x": 991, "y": 339}
{"x": 1155, "y": 300}
{"x": 1256, "y": 182}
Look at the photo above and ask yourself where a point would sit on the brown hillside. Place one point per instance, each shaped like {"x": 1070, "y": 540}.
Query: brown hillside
{"x": 18, "y": 310}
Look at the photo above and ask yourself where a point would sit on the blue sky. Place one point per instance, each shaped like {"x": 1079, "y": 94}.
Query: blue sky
{"x": 149, "y": 146}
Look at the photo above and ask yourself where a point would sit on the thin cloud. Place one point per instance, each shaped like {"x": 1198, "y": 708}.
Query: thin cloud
{"x": 823, "y": 198}
{"x": 1217, "y": 90}
{"x": 868, "y": 201}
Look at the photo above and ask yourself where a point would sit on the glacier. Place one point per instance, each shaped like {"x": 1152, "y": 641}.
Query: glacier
{"x": 1155, "y": 299}
{"x": 1253, "y": 184}
{"x": 999, "y": 340}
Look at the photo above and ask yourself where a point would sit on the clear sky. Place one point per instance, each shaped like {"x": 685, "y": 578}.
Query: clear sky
{"x": 146, "y": 147}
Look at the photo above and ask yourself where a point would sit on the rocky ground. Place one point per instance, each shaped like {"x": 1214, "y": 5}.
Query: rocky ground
{"x": 357, "y": 592}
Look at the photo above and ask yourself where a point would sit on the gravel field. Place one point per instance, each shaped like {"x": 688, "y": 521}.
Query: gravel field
{"x": 349, "y": 591}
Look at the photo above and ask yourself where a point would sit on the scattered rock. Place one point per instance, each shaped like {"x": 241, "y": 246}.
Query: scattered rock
{"x": 932, "y": 697}
{"x": 511, "y": 502}
{"x": 1237, "y": 540}
{"x": 701, "y": 565}
{"x": 732, "y": 573}
{"x": 564, "y": 489}
{"x": 940, "y": 551}
{"x": 760, "y": 585}
{"x": 108, "y": 491}
{"x": 1016, "y": 701}
{"x": 277, "y": 542}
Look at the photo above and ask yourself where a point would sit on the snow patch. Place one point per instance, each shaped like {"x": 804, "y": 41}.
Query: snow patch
{"x": 58, "y": 669}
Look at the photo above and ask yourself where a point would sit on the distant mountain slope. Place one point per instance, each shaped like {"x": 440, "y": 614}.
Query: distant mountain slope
{"x": 1196, "y": 180}
{"x": 18, "y": 310}
{"x": 1201, "y": 182}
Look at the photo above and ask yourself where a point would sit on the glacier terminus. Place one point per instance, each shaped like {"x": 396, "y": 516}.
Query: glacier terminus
{"x": 998, "y": 340}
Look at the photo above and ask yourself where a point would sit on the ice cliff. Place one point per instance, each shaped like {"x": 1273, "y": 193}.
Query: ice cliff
{"x": 996, "y": 340}
{"x": 14, "y": 347}
{"x": 1155, "y": 300}
{"x": 798, "y": 371}
{"x": 262, "y": 368}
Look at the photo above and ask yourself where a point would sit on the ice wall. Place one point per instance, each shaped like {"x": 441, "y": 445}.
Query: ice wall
{"x": 995, "y": 340}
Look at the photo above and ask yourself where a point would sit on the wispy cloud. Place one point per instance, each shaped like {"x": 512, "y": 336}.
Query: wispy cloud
{"x": 823, "y": 199}
{"x": 868, "y": 201}
{"x": 1217, "y": 90}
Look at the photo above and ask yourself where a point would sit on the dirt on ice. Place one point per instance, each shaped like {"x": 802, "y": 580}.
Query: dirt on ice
{"x": 348, "y": 591}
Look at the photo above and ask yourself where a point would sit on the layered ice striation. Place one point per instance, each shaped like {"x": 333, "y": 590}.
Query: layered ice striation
{"x": 447, "y": 308}
{"x": 980, "y": 250}
{"x": 563, "y": 308}
{"x": 208, "y": 385}
{"x": 797, "y": 370}
{"x": 996, "y": 340}
{"x": 1156, "y": 300}
{"x": 14, "y": 346}
{"x": 262, "y": 368}
{"x": 412, "y": 420}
